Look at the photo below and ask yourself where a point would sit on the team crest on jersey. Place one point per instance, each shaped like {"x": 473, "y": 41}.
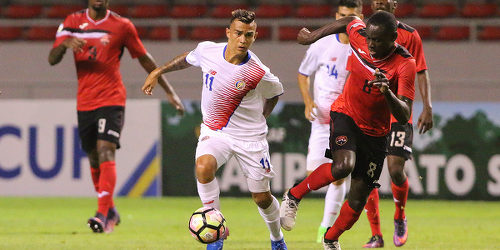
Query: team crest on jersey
{"x": 341, "y": 140}
{"x": 240, "y": 84}
{"x": 205, "y": 138}
{"x": 212, "y": 72}
{"x": 105, "y": 39}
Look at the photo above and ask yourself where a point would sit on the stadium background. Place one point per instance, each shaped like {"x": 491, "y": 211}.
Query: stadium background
{"x": 459, "y": 159}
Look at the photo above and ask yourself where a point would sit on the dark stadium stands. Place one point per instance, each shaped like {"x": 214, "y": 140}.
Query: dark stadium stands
{"x": 280, "y": 19}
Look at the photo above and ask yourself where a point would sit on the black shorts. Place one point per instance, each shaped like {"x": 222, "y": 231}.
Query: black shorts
{"x": 400, "y": 140}
{"x": 104, "y": 123}
{"x": 370, "y": 150}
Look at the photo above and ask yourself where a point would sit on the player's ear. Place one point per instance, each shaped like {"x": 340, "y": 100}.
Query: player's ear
{"x": 227, "y": 33}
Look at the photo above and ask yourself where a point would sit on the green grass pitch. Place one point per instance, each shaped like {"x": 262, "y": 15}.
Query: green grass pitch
{"x": 60, "y": 223}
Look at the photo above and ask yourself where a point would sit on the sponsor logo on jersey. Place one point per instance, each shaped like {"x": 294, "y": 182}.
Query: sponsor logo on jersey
{"x": 240, "y": 84}
{"x": 205, "y": 138}
{"x": 60, "y": 28}
{"x": 361, "y": 51}
{"x": 341, "y": 140}
{"x": 83, "y": 25}
{"x": 333, "y": 59}
{"x": 212, "y": 72}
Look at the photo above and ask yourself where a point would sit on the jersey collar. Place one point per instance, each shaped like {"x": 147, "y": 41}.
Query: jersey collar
{"x": 98, "y": 22}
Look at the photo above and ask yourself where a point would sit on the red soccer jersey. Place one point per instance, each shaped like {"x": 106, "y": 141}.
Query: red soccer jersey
{"x": 409, "y": 38}
{"x": 98, "y": 65}
{"x": 364, "y": 103}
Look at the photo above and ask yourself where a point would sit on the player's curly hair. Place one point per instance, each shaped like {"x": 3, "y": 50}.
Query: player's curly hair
{"x": 351, "y": 3}
{"x": 384, "y": 19}
{"x": 244, "y": 16}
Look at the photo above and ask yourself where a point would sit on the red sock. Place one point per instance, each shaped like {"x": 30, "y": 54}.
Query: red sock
{"x": 400, "y": 194}
{"x": 107, "y": 183}
{"x": 95, "y": 172}
{"x": 319, "y": 178}
{"x": 347, "y": 218}
{"x": 372, "y": 212}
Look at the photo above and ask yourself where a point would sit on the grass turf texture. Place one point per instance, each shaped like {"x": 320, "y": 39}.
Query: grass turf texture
{"x": 60, "y": 223}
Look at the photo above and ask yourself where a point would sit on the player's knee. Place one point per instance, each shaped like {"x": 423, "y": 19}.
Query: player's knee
{"x": 398, "y": 176}
{"x": 205, "y": 172}
{"x": 105, "y": 153}
{"x": 263, "y": 200}
{"x": 342, "y": 169}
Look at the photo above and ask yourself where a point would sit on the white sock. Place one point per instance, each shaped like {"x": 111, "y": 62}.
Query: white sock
{"x": 271, "y": 216}
{"x": 209, "y": 193}
{"x": 333, "y": 202}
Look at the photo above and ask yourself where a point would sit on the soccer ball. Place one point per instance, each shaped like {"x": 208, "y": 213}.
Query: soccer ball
{"x": 207, "y": 225}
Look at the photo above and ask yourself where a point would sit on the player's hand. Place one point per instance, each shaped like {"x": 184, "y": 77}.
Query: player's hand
{"x": 425, "y": 122}
{"x": 150, "y": 83}
{"x": 175, "y": 101}
{"x": 304, "y": 37}
{"x": 76, "y": 44}
{"x": 380, "y": 81}
{"x": 310, "y": 111}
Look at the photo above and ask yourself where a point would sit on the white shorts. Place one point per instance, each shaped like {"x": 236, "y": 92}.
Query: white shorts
{"x": 252, "y": 156}
{"x": 319, "y": 141}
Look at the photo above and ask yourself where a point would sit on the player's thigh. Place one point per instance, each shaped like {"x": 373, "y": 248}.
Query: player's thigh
{"x": 400, "y": 140}
{"x": 87, "y": 130}
{"x": 215, "y": 144}
{"x": 343, "y": 132}
{"x": 370, "y": 159}
{"x": 255, "y": 163}
{"x": 110, "y": 122}
{"x": 318, "y": 144}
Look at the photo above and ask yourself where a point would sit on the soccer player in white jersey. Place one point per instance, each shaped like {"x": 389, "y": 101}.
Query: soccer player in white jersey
{"x": 239, "y": 92}
{"x": 327, "y": 59}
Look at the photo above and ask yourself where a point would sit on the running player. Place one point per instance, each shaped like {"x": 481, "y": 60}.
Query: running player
{"x": 327, "y": 59}
{"x": 381, "y": 82}
{"x": 97, "y": 37}
{"x": 239, "y": 92}
{"x": 400, "y": 138}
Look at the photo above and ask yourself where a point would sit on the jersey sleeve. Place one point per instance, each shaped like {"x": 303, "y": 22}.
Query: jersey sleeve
{"x": 406, "y": 79}
{"x": 62, "y": 32}
{"x": 310, "y": 62}
{"x": 270, "y": 85}
{"x": 133, "y": 42}
{"x": 194, "y": 57}
{"x": 355, "y": 31}
{"x": 417, "y": 51}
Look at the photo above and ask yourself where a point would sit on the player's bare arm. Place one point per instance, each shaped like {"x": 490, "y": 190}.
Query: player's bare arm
{"x": 306, "y": 37}
{"x": 425, "y": 122}
{"x": 269, "y": 106}
{"x": 177, "y": 63}
{"x": 304, "y": 83}
{"x": 400, "y": 106}
{"x": 56, "y": 54}
{"x": 149, "y": 64}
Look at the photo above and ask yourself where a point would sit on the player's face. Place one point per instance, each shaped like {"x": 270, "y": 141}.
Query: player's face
{"x": 344, "y": 11}
{"x": 240, "y": 36}
{"x": 380, "y": 42}
{"x": 385, "y": 5}
{"x": 98, "y": 5}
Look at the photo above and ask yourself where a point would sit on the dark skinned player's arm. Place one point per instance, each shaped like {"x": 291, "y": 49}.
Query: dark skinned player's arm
{"x": 306, "y": 37}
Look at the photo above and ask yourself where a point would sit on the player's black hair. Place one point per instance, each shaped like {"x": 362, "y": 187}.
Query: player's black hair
{"x": 351, "y": 3}
{"x": 244, "y": 16}
{"x": 384, "y": 19}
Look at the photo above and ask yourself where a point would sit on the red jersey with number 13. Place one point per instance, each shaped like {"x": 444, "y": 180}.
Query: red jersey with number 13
{"x": 365, "y": 104}
{"x": 98, "y": 65}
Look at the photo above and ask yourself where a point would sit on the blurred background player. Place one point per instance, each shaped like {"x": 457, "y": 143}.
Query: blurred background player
{"x": 239, "y": 93}
{"x": 97, "y": 37}
{"x": 381, "y": 82}
{"x": 400, "y": 138}
{"x": 327, "y": 59}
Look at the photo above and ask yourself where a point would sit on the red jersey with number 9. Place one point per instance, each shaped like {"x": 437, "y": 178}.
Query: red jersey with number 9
{"x": 98, "y": 65}
{"x": 364, "y": 103}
